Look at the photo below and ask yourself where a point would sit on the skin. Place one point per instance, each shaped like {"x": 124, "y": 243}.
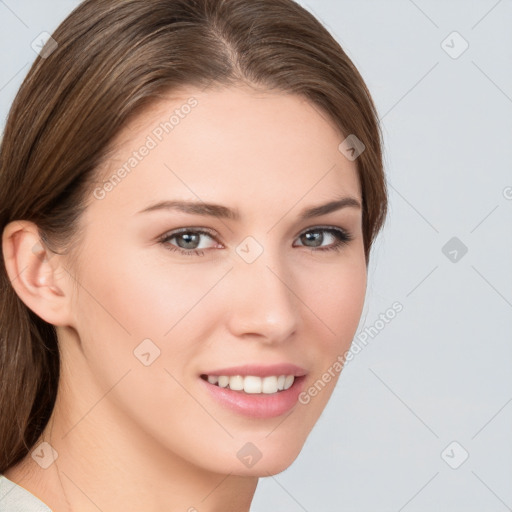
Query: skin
{"x": 136, "y": 437}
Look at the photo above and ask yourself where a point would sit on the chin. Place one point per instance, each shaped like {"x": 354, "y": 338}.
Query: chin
{"x": 262, "y": 469}
{"x": 266, "y": 460}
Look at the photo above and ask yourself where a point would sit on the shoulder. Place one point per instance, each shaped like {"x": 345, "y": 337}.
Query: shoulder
{"x": 14, "y": 498}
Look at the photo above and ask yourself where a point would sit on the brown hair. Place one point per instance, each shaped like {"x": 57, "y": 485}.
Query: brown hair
{"x": 113, "y": 59}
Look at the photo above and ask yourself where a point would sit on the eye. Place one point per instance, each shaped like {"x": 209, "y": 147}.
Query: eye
{"x": 316, "y": 237}
{"x": 189, "y": 240}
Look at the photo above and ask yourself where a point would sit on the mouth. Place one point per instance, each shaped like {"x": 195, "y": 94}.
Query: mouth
{"x": 252, "y": 384}
{"x": 256, "y": 391}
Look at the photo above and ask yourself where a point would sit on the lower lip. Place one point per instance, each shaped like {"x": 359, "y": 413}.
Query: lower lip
{"x": 257, "y": 405}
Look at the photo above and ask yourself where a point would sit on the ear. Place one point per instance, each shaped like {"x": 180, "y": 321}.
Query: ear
{"x": 36, "y": 273}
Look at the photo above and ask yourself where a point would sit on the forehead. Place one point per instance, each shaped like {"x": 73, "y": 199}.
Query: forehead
{"x": 213, "y": 144}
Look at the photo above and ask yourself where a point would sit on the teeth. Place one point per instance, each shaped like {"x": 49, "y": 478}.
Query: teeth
{"x": 223, "y": 381}
{"x": 212, "y": 379}
{"x": 236, "y": 383}
{"x": 289, "y": 381}
{"x": 252, "y": 384}
{"x": 269, "y": 385}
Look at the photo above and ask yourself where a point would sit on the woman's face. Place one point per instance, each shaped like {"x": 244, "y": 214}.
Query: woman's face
{"x": 253, "y": 287}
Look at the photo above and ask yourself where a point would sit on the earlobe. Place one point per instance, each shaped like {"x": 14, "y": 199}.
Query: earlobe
{"x": 36, "y": 273}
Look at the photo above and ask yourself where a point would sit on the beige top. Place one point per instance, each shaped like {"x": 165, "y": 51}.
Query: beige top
{"x": 14, "y": 498}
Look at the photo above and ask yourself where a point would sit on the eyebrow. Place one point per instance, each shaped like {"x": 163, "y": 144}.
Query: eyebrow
{"x": 223, "y": 212}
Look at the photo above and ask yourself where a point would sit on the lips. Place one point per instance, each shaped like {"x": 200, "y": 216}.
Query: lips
{"x": 260, "y": 370}
{"x": 258, "y": 391}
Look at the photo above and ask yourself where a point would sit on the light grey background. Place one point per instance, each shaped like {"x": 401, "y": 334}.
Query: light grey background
{"x": 440, "y": 371}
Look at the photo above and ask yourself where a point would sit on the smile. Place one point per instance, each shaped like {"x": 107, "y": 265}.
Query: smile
{"x": 252, "y": 384}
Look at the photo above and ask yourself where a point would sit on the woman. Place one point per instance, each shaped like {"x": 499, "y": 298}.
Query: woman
{"x": 190, "y": 190}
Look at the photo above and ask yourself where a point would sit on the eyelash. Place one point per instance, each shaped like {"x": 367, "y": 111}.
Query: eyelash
{"x": 343, "y": 238}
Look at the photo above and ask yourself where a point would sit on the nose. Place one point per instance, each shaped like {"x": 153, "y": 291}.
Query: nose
{"x": 264, "y": 304}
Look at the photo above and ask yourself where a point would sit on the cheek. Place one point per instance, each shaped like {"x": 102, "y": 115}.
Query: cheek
{"x": 336, "y": 296}
{"x": 125, "y": 300}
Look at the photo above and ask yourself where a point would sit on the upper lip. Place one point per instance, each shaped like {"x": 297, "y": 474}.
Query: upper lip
{"x": 260, "y": 370}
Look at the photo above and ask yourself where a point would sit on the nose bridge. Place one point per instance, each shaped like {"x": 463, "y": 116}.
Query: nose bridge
{"x": 265, "y": 303}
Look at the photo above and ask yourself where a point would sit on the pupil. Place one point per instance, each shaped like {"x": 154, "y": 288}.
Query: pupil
{"x": 188, "y": 237}
{"x": 314, "y": 236}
